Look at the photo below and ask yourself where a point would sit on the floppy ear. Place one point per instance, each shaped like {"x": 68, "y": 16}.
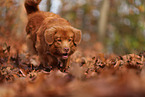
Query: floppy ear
{"x": 77, "y": 36}
{"x": 49, "y": 35}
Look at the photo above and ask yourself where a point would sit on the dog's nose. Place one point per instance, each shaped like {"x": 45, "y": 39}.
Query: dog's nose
{"x": 66, "y": 49}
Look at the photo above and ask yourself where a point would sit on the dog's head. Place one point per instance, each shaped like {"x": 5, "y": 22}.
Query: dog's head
{"x": 62, "y": 40}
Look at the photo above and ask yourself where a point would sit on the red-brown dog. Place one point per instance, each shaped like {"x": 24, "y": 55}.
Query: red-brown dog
{"x": 50, "y": 36}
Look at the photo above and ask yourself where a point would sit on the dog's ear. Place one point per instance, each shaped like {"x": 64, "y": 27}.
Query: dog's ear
{"x": 77, "y": 35}
{"x": 49, "y": 35}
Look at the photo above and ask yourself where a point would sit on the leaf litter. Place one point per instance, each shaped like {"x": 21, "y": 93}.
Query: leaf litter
{"x": 89, "y": 75}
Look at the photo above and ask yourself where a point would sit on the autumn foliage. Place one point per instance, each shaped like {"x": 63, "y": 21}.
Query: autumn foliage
{"x": 101, "y": 75}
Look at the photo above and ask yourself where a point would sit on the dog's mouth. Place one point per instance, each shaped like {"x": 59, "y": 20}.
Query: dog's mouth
{"x": 65, "y": 56}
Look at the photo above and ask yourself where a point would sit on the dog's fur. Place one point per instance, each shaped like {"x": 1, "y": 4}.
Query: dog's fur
{"x": 50, "y": 36}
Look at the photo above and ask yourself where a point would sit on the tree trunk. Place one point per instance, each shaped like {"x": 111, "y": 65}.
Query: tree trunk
{"x": 43, "y": 5}
{"x": 103, "y": 19}
{"x": 20, "y": 21}
{"x": 56, "y": 6}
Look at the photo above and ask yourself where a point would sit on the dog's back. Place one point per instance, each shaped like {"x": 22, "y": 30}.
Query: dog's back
{"x": 35, "y": 16}
{"x": 35, "y": 19}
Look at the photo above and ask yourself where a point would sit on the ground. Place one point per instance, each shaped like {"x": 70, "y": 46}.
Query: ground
{"x": 91, "y": 74}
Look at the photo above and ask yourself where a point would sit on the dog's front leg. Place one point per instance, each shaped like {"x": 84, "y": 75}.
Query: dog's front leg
{"x": 65, "y": 63}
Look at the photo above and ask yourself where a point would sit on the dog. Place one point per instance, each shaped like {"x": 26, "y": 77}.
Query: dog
{"x": 49, "y": 36}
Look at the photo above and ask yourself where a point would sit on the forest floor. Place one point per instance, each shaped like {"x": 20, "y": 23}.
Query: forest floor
{"x": 91, "y": 74}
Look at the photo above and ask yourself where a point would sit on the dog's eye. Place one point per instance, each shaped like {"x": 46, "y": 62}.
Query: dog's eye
{"x": 59, "y": 40}
{"x": 69, "y": 39}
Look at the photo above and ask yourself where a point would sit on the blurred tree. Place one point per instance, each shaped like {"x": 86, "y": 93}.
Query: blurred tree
{"x": 19, "y": 24}
{"x": 126, "y": 17}
{"x": 103, "y": 19}
{"x": 12, "y": 18}
{"x": 44, "y": 5}
{"x": 56, "y": 6}
{"x": 48, "y": 5}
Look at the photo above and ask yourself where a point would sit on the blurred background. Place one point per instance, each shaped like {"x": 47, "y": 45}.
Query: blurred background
{"x": 108, "y": 26}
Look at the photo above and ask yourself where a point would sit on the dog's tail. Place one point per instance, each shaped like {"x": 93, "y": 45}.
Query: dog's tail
{"x": 32, "y": 6}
